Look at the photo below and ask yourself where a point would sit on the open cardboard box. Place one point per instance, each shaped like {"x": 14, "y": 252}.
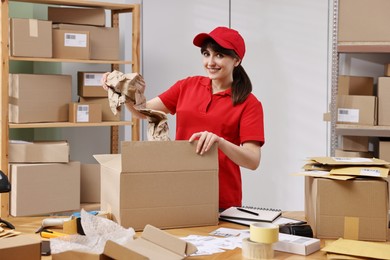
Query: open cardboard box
{"x": 161, "y": 183}
{"x": 153, "y": 244}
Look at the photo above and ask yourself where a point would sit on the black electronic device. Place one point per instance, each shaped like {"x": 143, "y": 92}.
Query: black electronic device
{"x": 45, "y": 247}
{"x": 5, "y": 186}
{"x": 303, "y": 230}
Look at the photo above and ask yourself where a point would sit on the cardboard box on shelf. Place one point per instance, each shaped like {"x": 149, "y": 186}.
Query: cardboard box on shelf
{"x": 72, "y": 15}
{"x": 361, "y": 110}
{"x": 383, "y": 101}
{"x": 355, "y": 143}
{"x": 152, "y": 244}
{"x": 21, "y": 247}
{"x": 162, "y": 183}
{"x": 343, "y": 153}
{"x": 387, "y": 70}
{"x": 107, "y": 114}
{"x": 38, "y": 151}
{"x": 352, "y": 209}
{"x": 85, "y": 113}
{"x": 89, "y": 84}
{"x": 30, "y": 38}
{"x": 363, "y": 21}
{"x": 384, "y": 150}
{"x": 90, "y": 183}
{"x": 355, "y": 85}
{"x": 44, "y": 188}
{"x": 71, "y": 44}
{"x": 35, "y": 98}
{"x": 104, "y": 41}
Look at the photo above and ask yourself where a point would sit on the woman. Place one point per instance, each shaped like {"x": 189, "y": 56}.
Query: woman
{"x": 219, "y": 108}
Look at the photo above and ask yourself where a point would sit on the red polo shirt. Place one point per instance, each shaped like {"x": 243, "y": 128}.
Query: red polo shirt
{"x": 197, "y": 109}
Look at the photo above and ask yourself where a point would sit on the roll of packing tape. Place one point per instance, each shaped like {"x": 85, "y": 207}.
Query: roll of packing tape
{"x": 265, "y": 233}
{"x": 256, "y": 251}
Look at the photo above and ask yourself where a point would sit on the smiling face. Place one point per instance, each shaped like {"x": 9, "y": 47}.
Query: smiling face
{"x": 218, "y": 66}
{"x": 219, "y": 63}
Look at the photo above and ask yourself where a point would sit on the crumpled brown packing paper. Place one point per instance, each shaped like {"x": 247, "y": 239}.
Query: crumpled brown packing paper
{"x": 130, "y": 88}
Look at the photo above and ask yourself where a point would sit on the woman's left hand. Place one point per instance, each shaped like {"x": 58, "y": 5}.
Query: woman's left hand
{"x": 205, "y": 141}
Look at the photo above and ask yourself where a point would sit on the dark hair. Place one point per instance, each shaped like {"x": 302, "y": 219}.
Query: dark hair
{"x": 242, "y": 85}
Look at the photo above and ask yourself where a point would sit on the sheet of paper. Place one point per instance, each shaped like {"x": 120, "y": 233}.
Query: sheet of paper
{"x": 208, "y": 245}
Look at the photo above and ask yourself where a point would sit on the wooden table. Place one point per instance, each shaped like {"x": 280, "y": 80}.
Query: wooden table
{"x": 31, "y": 224}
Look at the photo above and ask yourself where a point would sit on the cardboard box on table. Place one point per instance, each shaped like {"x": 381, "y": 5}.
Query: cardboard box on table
{"x": 352, "y": 209}
{"x": 20, "y": 247}
{"x": 35, "y": 98}
{"x": 162, "y": 183}
{"x": 30, "y": 38}
{"x": 44, "y": 188}
{"x": 153, "y": 244}
{"x": 38, "y": 152}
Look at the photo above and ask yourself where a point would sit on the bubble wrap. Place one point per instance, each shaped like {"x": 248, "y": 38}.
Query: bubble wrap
{"x": 97, "y": 231}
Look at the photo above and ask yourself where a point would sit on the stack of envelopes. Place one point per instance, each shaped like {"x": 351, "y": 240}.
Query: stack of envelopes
{"x": 345, "y": 168}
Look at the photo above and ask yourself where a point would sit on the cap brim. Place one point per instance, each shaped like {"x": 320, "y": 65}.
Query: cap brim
{"x": 199, "y": 39}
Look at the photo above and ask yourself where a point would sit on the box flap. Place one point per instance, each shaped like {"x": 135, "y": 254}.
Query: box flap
{"x": 155, "y": 244}
{"x": 78, "y": 255}
{"x": 112, "y": 161}
{"x": 168, "y": 241}
{"x": 116, "y": 251}
{"x": 141, "y": 156}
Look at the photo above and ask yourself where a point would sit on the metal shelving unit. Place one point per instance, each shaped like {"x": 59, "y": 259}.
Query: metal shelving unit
{"x": 345, "y": 48}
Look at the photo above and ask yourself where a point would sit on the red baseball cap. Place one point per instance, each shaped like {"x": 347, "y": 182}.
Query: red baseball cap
{"x": 226, "y": 37}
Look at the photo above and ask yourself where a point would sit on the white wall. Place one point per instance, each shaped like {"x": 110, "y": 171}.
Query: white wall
{"x": 287, "y": 61}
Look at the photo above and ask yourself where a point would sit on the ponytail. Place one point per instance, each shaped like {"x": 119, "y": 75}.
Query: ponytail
{"x": 242, "y": 85}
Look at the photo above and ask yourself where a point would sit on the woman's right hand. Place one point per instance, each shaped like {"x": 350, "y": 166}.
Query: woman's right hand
{"x": 104, "y": 80}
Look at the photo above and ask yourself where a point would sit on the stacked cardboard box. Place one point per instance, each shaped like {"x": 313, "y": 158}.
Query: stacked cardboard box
{"x": 85, "y": 113}
{"x": 356, "y": 103}
{"x": 347, "y": 197}
{"x": 35, "y": 98}
{"x": 30, "y": 38}
{"x": 43, "y": 180}
{"x": 355, "y": 146}
{"x": 383, "y": 101}
{"x": 103, "y": 41}
{"x": 90, "y": 91}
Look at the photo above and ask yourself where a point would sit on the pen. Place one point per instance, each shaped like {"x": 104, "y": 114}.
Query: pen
{"x": 248, "y": 211}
